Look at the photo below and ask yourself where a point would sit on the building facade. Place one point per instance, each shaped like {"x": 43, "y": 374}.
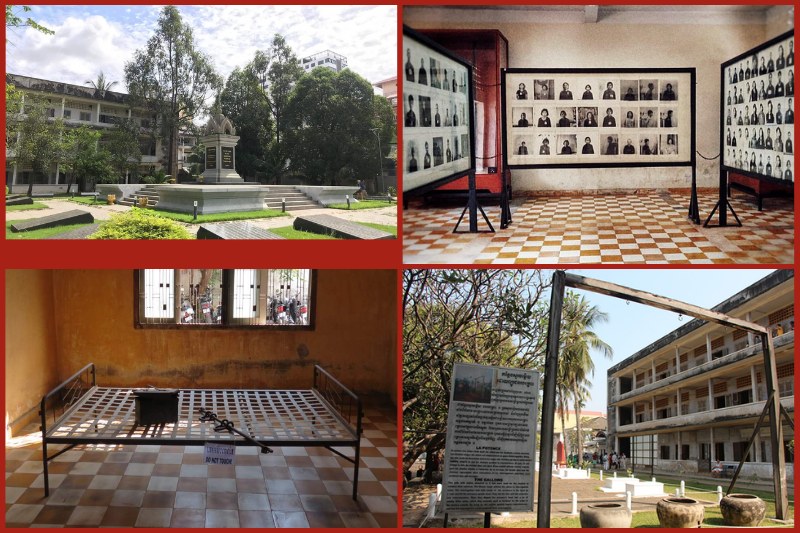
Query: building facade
{"x": 326, "y": 59}
{"x": 79, "y": 106}
{"x": 694, "y": 396}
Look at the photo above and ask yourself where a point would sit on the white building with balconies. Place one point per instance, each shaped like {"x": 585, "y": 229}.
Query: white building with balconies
{"x": 78, "y": 106}
{"x": 693, "y": 397}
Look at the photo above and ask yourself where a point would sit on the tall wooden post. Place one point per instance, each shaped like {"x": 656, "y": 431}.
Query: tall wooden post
{"x": 776, "y": 428}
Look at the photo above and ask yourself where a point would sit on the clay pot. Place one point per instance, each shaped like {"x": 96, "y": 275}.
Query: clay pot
{"x": 742, "y": 510}
{"x": 111, "y": 199}
{"x": 679, "y": 512}
{"x": 613, "y": 515}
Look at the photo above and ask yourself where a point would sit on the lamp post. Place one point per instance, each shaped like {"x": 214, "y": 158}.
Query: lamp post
{"x": 380, "y": 159}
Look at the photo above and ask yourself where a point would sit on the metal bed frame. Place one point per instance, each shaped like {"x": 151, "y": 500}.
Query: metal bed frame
{"x": 327, "y": 415}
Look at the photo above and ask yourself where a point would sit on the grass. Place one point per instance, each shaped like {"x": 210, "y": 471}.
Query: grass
{"x": 27, "y": 207}
{"x": 363, "y": 204}
{"x": 38, "y": 233}
{"x": 219, "y": 217}
{"x": 87, "y": 200}
{"x": 288, "y": 232}
{"x": 382, "y": 227}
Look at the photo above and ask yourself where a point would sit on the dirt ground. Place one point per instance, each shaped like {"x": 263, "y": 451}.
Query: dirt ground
{"x": 415, "y": 502}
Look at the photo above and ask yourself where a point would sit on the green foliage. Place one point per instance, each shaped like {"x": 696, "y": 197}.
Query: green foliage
{"x": 122, "y": 143}
{"x": 35, "y": 206}
{"x": 147, "y": 180}
{"x": 288, "y": 232}
{"x": 140, "y": 224}
{"x": 246, "y": 104}
{"x": 14, "y": 20}
{"x": 491, "y": 317}
{"x": 85, "y": 161}
{"x": 172, "y": 79}
{"x": 221, "y": 217}
{"x": 392, "y": 191}
{"x": 36, "y": 140}
{"x": 382, "y": 227}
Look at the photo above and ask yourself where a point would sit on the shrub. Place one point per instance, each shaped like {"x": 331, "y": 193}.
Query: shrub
{"x": 392, "y": 191}
{"x": 148, "y": 180}
{"x": 140, "y": 224}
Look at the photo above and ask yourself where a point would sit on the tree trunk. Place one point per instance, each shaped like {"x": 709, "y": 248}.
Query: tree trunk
{"x": 579, "y": 442}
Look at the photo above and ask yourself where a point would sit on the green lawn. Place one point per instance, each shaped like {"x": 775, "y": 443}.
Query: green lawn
{"x": 288, "y": 232}
{"x": 365, "y": 204}
{"x": 38, "y": 233}
{"x": 27, "y": 207}
{"x": 219, "y": 217}
{"x": 382, "y": 227}
{"x": 88, "y": 200}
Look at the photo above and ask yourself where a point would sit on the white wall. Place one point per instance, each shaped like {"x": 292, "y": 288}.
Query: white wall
{"x": 642, "y": 39}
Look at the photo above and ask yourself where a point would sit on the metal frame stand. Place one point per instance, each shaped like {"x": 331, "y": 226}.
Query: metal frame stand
{"x": 472, "y": 205}
{"x": 723, "y": 205}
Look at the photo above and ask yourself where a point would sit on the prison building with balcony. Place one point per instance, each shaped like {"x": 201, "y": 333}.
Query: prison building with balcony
{"x": 78, "y": 106}
{"x": 693, "y": 397}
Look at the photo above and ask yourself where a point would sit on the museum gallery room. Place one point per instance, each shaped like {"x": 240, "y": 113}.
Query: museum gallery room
{"x": 201, "y": 398}
{"x": 598, "y": 134}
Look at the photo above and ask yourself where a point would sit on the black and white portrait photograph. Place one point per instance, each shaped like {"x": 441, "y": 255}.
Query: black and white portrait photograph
{"x": 648, "y": 117}
{"x": 465, "y": 145}
{"x": 648, "y": 144}
{"x": 587, "y": 92}
{"x": 412, "y": 165}
{"x": 523, "y": 145}
{"x": 523, "y": 117}
{"x": 587, "y": 117}
{"x": 630, "y": 117}
{"x": 564, "y": 91}
{"x": 648, "y": 90}
{"x": 411, "y": 114}
{"x": 438, "y": 151}
{"x": 567, "y": 117}
{"x": 669, "y": 144}
{"x": 669, "y": 117}
{"x": 609, "y": 89}
{"x": 629, "y": 144}
{"x": 544, "y": 120}
{"x": 545, "y": 144}
{"x": 410, "y": 70}
{"x": 610, "y": 117}
{"x": 669, "y": 90}
{"x": 589, "y": 144}
{"x": 544, "y": 89}
{"x": 629, "y": 90}
{"x": 522, "y": 92}
{"x": 435, "y": 74}
{"x": 567, "y": 144}
{"x": 610, "y": 145}
{"x": 425, "y": 112}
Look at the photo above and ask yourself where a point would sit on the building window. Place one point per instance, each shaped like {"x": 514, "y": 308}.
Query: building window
{"x": 719, "y": 451}
{"x": 743, "y": 397}
{"x": 720, "y": 402}
{"x": 67, "y": 113}
{"x": 279, "y": 298}
{"x": 664, "y": 452}
{"x": 685, "y": 452}
{"x": 86, "y": 116}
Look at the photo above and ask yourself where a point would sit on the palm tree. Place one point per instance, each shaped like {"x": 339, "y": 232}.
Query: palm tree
{"x": 575, "y": 363}
{"x": 101, "y": 85}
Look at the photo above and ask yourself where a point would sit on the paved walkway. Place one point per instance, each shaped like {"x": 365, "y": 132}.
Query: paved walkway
{"x": 383, "y": 215}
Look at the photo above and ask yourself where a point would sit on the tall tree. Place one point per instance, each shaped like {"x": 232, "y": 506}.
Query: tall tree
{"x": 122, "y": 144}
{"x": 84, "y": 159}
{"x": 331, "y": 117}
{"x": 38, "y": 143}
{"x": 101, "y": 84}
{"x": 575, "y": 365}
{"x": 277, "y": 71}
{"x": 244, "y": 102}
{"x": 172, "y": 79}
{"x": 491, "y": 317}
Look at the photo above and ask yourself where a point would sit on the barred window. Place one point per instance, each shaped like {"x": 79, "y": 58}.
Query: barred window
{"x": 216, "y": 298}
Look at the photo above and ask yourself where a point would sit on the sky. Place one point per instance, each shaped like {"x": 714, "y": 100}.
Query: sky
{"x": 90, "y": 38}
{"x": 633, "y": 326}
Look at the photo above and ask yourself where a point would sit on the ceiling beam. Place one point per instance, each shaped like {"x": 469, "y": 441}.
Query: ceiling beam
{"x": 590, "y": 14}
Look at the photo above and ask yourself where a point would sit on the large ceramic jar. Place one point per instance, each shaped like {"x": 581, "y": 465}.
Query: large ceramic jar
{"x": 606, "y": 515}
{"x": 742, "y": 510}
{"x": 679, "y": 512}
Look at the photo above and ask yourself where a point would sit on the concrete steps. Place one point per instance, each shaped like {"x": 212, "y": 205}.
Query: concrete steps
{"x": 295, "y": 200}
{"x": 148, "y": 192}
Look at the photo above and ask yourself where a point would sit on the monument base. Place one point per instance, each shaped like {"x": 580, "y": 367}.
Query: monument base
{"x": 218, "y": 198}
{"x": 221, "y": 176}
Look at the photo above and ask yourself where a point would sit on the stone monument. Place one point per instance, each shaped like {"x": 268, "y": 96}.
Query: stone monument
{"x": 220, "y": 140}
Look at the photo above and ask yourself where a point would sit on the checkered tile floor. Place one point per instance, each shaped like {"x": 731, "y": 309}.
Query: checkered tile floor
{"x": 168, "y": 486}
{"x": 630, "y": 229}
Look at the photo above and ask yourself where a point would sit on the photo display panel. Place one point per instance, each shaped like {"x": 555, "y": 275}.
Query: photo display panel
{"x": 598, "y": 117}
{"x": 438, "y": 144}
{"x": 758, "y": 111}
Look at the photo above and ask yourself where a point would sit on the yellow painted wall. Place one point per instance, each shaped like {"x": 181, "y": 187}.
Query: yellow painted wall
{"x": 91, "y": 320}
{"x": 30, "y": 343}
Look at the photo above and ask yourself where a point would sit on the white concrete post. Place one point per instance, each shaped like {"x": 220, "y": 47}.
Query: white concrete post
{"x": 683, "y": 488}
{"x": 431, "y": 505}
{"x": 653, "y": 480}
{"x": 628, "y": 497}
{"x": 439, "y": 491}
{"x": 719, "y": 493}
{"x": 601, "y": 474}
{"x": 615, "y": 473}
{"x": 677, "y": 492}
{"x": 574, "y": 503}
